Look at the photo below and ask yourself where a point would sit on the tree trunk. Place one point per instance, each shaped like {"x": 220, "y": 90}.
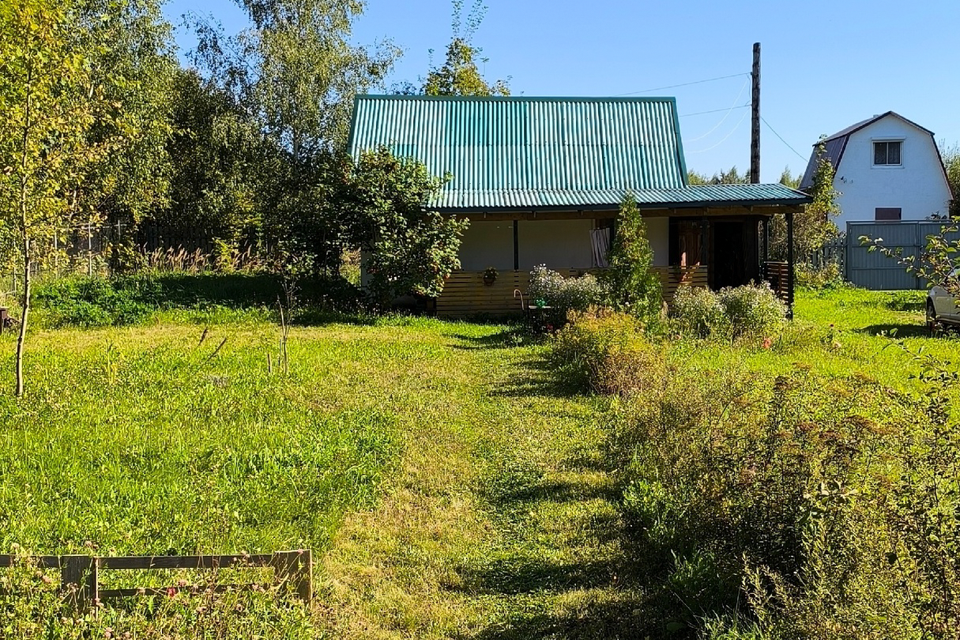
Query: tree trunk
{"x": 25, "y": 311}
{"x": 24, "y": 233}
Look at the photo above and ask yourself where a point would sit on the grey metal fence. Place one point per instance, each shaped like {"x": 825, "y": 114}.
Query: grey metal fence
{"x": 874, "y": 270}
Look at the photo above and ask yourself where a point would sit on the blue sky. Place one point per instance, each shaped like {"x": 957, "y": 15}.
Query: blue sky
{"x": 825, "y": 64}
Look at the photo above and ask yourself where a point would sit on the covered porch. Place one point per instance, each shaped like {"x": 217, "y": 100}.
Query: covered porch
{"x": 704, "y": 246}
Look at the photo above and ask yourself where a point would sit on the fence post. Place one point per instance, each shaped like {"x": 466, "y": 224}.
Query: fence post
{"x": 295, "y": 568}
{"x": 79, "y": 578}
{"x": 89, "y": 249}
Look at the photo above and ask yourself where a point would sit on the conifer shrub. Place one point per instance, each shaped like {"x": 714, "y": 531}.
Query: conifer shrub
{"x": 632, "y": 284}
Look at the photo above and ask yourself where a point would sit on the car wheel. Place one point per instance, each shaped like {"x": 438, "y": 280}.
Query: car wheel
{"x": 932, "y": 323}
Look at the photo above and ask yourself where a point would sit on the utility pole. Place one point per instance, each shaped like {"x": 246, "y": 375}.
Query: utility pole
{"x": 755, "y": 128}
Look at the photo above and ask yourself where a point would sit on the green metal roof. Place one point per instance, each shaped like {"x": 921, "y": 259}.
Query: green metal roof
{"x": 679, "y": 198}
{"x": 563, "y": 153}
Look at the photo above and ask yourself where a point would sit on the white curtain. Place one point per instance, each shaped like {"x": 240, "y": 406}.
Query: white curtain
{"x": 600, "y": 239}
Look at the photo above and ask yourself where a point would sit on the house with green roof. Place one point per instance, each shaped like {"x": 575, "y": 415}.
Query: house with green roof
{"x": 541, "y": 181}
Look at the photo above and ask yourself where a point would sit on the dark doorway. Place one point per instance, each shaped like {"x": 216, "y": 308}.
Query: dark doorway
{"x": 728, "y": 266}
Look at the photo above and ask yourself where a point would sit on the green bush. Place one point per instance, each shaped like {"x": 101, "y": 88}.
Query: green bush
{"x": 97, "y": 302}
{"x": 753, "y": 310}
{"x": 632, "y": 284}
{"x": 747, "y": 311}
{"x": 549, "y": 288}
{"x": 698, "y": 312}
{"x": 832, "y": 501}
{"x": 581, "y": 351}
{"x": 830, "y": 276}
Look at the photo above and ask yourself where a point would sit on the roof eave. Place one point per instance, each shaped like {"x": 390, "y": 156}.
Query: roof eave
{"x": 648, "y": 206}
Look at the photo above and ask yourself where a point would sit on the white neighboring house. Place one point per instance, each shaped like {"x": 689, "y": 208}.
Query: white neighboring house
{"x": 887, "y": 169}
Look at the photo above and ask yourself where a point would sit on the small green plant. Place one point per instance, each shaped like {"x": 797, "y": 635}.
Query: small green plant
{"x": 490, "y": 275}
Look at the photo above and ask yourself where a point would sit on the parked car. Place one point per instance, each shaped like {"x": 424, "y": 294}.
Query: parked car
{"x": 943, "y": 308}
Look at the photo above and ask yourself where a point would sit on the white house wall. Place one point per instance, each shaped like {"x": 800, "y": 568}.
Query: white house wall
{"x": 658, "y": 233}
{"x": 487, "y": 244}
{"x": 559, "y": 244}
{"x": 917, "y": 186}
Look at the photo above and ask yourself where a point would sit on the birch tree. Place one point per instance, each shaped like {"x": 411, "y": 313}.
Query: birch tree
{"x": 48, "y": 106}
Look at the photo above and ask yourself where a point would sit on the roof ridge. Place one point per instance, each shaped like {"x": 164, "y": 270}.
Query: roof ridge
{"x": 387, "y": 96}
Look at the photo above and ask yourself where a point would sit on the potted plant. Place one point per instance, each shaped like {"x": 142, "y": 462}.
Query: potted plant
{"x": 490, "y": 276}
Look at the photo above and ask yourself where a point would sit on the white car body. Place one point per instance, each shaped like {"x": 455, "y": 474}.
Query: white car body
{"x": 942, "y": 307}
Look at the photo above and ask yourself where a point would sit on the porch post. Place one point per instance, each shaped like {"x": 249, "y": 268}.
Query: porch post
{"x": 790, "y": 265}
{"x": 703, "y": 243}
{"x": 516, "y": 245}
{"x": 765, "y": 230}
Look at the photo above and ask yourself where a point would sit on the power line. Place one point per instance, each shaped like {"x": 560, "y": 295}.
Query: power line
{"x": 726, "y": 115}
{"x": 685, "y": 84}
{"x": 703, "y": 113}
{"x": 781, "y": 139}
{"x": 739, "y": 122}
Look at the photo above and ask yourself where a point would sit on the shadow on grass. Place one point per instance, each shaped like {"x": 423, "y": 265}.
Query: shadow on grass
{"x": 627, "y": 618}
{"x": 598, "y": 589}
{"x": 538, "y": 377}
{"x": 513, "y": 336}
{"x": 897, "y": 330}
{"x": 557, "y": 491}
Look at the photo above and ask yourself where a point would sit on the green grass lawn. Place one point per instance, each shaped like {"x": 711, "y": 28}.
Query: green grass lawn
{"x": 842, "y": 332}
{"x": 448, "y": 485}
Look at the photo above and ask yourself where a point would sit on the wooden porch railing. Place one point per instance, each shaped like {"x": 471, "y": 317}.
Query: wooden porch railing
{"x": 465, "y": 292}
{"x": 778, "y": 275}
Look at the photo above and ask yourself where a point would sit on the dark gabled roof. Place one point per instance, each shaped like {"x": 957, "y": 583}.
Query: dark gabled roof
{"x": 837, "y": 144}
{"x": 521, "y": 153}
{"x": 865, "y": 123}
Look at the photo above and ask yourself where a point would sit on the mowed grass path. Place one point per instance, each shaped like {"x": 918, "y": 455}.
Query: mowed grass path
{"x": 450, "y": 486}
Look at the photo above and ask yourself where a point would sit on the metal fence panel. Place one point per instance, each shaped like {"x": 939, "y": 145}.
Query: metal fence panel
{"x": 876, "y": 271}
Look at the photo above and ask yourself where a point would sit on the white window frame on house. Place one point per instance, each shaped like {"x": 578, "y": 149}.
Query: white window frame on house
{"x": 887, "y": 141}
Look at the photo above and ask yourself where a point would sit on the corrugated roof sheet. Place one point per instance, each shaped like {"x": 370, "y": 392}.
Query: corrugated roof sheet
{"x": 692, "y": 196}
{"x": 494, "y": 143}
{"x": 522, "y": 153}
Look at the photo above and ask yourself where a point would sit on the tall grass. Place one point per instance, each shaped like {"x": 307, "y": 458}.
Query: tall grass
{"x": 792, "y": 489}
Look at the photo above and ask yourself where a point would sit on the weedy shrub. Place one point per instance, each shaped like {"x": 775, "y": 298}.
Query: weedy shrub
{"x": 746, "y": 311}
{"x": 829, "y": 276}
{"x": 698, "y": 312}
{"x": 549, "y": 288}
{"x": 594, "y": 341}
{"x": 97, "y": 302}
{"x": 835, "y": 503}
{"x": 753, "y": 310}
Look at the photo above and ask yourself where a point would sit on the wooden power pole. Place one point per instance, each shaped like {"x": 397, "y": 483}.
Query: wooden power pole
{"x": 755, "y": 128}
